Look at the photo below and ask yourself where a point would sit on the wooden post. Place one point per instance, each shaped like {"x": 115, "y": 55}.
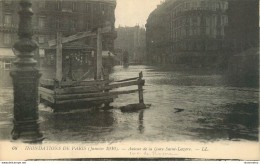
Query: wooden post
{"x": 140, "y": 88}
{"x": 59, "y": 72}
{"x": 106, "y": 78}
{"x": 25, "y": 81}
{"x": 99, "y": 54}
{"x": 95, "y": 64}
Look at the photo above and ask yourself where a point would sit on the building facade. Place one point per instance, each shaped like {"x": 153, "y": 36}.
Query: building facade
{"x": 53, "y": 16}
{"x": 132, "y": 39}
{"x": 199, "y": 32}
{"x": 243, "y": 24}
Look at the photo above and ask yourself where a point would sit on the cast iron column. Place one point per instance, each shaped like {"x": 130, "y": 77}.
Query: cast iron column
{"x": 25, "y": 77}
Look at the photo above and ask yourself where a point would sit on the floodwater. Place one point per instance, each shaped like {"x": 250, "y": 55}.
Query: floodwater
{"x": 184, "y": 107}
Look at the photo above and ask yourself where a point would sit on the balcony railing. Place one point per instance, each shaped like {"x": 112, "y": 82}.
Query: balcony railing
{"x": 180, "y": 13}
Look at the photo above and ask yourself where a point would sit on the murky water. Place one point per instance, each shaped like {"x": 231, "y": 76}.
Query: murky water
{"x": 210, "y": 110}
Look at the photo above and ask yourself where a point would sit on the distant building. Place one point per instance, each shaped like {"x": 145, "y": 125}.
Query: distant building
{"x": 243, "y": 31}
{"x": 51, "y": 16}
{"x": 243, "y": 26}
{"x": 200, "y": 32}
{"x": 132, "y": 39}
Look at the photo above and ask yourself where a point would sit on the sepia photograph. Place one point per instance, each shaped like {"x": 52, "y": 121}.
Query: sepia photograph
{"x": 129, "y": 79}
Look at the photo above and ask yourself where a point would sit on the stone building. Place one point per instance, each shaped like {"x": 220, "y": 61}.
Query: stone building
{"x": 52, "y": 16}
{"x": 243, "y": 26}
{"x": 132, "y": 39}
{"x": 158, "y": 38}
{"x": 199, "y": 32}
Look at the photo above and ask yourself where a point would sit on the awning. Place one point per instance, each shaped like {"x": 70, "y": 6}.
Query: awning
{"x": 6, "y": 53}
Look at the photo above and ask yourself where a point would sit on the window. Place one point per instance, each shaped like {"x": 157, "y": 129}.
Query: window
{"x": 108, "y": 10}
{"x": 102, "y": 8}
{"x": 67, "y": 6}
{"x": 225, "y": 5}
{"x": 188, "y": 6}
{"x": 214, "y": 6}
{"x": 87, "y": 7}
{"x": 194, "y": 5}
{"x": 194, "y": 21}
{"x": 74, "y": 6}
{"x": 218, "y": 6}
{"x": 187, "y": 21}
{"x": 74, "y": 23}
{"x": 59, "y": 5}
{"x": 226, "y": 20}
{"x": 8, "y": 20}
{"x": 194, "y": 30}
{"x": 214, "y": 32}
{"x": 208, "y": 30}
{"x": 222, "y": 6}
{"x": 207, "y": 5}
{"x": 198, "y": 30}
{"x": 57, "y": 23}
{"x": 222, "y": 33}
{"x": 203, "y": 4}
{"x": 181, "y": 23}
{"x": 7, "y": 39}
{"x": 87, "y": 26}
{"x": 41, "y": 22}
{"x": 199, "y": 21}
{"x": 222, "y": 20}
{"x": 182, "y": 7}
{"x": 207, "y": 21}
{"x": 187, "y": 31}
{"x": 42, "y": 4}
{"x": 214, "y": 22}
{"x": 183, "y": 32}
{"x": 95, "y": 7}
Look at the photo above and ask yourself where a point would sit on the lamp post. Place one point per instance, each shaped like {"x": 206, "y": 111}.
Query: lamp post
{"x": 25, "y": 77}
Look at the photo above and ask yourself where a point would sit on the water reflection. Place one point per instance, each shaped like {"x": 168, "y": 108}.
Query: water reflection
{"x": 237, "y": 121}
{"x": 241, "y": 119}
{"x": 76, "y": 126}
{"x": 211, "y": 109}
{"x": 141, "y": 121}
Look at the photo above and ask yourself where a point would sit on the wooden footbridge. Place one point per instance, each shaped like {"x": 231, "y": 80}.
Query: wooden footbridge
{"x": 99, "y": 93}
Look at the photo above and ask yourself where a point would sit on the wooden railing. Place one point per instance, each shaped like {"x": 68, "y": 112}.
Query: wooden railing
{"x": 89, "y": 91}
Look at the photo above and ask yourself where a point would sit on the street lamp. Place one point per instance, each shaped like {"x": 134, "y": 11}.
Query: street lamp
{"x": 25, "y": 77}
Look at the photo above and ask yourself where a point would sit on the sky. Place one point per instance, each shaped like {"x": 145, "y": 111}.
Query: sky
{"x": 134, "y": 12}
